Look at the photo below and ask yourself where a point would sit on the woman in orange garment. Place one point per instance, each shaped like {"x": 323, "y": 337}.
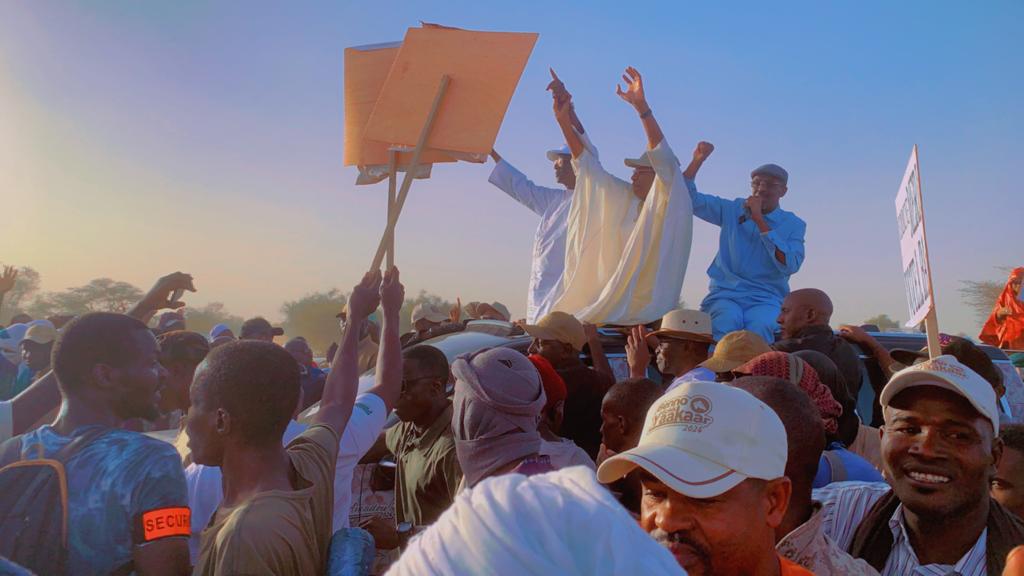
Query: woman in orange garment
{"x": 1005, "y": 326}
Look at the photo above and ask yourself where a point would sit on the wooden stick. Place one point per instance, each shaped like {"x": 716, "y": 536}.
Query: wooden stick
{"x": 389, "y": 232}
{"x": 392, "y": 185}
{"x": 931, "y": 328}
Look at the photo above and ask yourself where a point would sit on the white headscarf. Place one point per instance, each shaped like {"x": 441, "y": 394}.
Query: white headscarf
{"x": 561, "y": 522}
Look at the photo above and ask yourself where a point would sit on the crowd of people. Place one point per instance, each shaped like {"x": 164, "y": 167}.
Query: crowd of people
{"x": 732, "y": 445}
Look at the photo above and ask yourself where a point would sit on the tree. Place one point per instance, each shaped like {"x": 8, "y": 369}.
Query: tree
{"x": 314, "y": 317}
{"x": 981, "y": 296}
{"x": 99, "y": 295}
{"x": 884, "y": 323}
{"x": 203, "y": 319}
{"x": 16, "y": 300}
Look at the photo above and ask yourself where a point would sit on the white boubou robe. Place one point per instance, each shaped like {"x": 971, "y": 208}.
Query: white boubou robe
{"x": 622, "y": 267}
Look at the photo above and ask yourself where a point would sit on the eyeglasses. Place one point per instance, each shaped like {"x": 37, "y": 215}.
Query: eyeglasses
{"x": 765, "y": 183}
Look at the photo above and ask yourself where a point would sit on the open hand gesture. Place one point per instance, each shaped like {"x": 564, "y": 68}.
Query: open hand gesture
{"x": 638, "y": 355}
{"x": 634, "y": 93}
{"x": 365, "y": 298}
{"x": 7, "y": 279}
{"x": 455, "y": 314}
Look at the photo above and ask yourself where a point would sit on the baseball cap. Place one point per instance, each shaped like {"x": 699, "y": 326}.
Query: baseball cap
{"x": 217, "y": 330}
{"x": 559, "y": 326}
{"x": 427, "y": 311}
{"x": 642, "y": 161}
{"x": 948, "y": 373}
{"x": 554, "y": 153}
{"x": 501, "y": 309}
{"x": 41, "y": 332}
{"x": 773, "y": 170}
{"x": 687, "y": 325}
{"x": 965, "y": 351}
{"x": 259, "y": 325}
{"x": 735, "y": 349}
{"x": 702, "y": 439}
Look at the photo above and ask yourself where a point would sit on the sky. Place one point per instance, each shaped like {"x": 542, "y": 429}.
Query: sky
{"x": 137, "y": 139}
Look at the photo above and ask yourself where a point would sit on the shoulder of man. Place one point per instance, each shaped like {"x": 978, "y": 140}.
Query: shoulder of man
{"x": 844, "y": 505}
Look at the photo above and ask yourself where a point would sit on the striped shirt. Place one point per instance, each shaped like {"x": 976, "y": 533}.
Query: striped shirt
{"x": 844, "y": 506}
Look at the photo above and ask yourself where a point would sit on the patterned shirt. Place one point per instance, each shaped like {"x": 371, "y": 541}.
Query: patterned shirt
{"x": 844, "y": 506}
{"x": 809, "y": 547}
{"x": 112, "y": 482}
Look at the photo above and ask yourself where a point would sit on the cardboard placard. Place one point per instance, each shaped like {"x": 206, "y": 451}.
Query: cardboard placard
{"x": 366, "y": 69}
{"x": 484, "y": 68}
{"x": 917, "y": 273}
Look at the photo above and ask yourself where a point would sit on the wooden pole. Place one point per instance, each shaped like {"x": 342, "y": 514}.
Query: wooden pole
{"x": 392, "y": 185}
{"x": 389, "y": 232}
{"x": 931, "y": 328}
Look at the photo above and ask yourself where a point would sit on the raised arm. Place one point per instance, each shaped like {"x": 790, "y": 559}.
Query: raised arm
{"x": 634, "y": 96}
{"x": 7, "y": 280}
{"x": 388, "y": 382}
{"x": 160, "y": 296}
{"x": 597, "y": 354}
{"x": 565, "y": 114}
{"x": 343, "y": 380}
{"x": 700, "y": 155}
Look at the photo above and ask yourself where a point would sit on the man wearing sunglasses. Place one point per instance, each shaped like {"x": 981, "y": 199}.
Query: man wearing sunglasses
{"x": 428, "y": 472}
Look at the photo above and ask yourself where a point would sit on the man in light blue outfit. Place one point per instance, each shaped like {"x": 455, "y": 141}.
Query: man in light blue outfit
{"x": 552, "y": 205}
{"x": 760, "y": 247}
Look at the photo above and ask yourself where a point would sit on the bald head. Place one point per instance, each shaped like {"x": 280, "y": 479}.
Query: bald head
{"x": 803, "y": 308}
{"x": 805, "y": 432}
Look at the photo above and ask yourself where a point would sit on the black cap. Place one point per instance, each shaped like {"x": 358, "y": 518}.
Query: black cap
{"x": 259, "y": 325}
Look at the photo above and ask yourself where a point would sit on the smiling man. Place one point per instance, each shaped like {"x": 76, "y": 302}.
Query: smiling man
{"x": 712, "y": 463}
{"x": 940, "y": 451}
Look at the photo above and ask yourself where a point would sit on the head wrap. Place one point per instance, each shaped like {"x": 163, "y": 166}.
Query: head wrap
{"x": 792, "y": 368}
{"x": 1007, "y": 332}
{"x": 562, "y": 522}
{"x": 497, "y": 405}
{"x": 554, "y": 385}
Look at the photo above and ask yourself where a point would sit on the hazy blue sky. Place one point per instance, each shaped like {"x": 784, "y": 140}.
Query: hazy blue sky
{"x": 141, "y": 138}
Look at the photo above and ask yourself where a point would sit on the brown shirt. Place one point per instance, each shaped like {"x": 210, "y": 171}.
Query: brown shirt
{"x": 428, "y": 471}
{"x": 280, "y": 532}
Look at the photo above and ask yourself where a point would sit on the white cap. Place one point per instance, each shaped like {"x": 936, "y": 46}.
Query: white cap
{"x": 702, "y": 439}
{"x": 643, "y": 161}
{"x": 553, "y": 154}
{"x": 948, "y": 373}
{"x": 686, "y": 324}
{"x": 421, "y": 311}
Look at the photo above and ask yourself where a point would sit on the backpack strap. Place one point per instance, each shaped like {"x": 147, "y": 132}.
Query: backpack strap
{"x": 839, "y": 473}
{"x": 873, "y": 541}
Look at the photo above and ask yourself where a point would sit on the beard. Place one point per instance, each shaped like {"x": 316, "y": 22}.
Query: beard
{"x": 701, "y": 554}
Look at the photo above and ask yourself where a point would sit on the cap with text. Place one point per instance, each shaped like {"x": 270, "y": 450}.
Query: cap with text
{"x": 948, "y": 373}
{"x": 703, "y": 439}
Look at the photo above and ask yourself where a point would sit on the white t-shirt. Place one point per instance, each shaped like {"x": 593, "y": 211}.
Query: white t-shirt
{"x": 205, "y": 490}
{"x": 565, "y": 454}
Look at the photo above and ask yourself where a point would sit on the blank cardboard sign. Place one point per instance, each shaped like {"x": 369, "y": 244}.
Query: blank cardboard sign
{"x": 484, "y": 68}
{"x": 366, "y": 69}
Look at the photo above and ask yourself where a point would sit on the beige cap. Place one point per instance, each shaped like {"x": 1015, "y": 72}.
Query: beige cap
{"x": 686, "y": 325}
{"x": 494, "y": 308}
{"x": 948, "y": 373}
{"x": 41, "y": 332}
{"x": 735, "y": 349}
{"x": 560, "y": 327}
{"x": 429, "y": 312}
{"x": 702, "y": 439}
{"x": 643, "y": 161}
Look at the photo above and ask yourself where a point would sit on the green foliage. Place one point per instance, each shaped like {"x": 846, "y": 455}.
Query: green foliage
{"x": 884, "y": 323}
{"x": 203, "y": 319}
{"x": 314, "y": 317}
{"x": 99, "y": 295}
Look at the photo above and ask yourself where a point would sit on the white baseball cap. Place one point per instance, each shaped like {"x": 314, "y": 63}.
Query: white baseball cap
{"x": 702, "y": 439}
{"x": 428, "y": 311}
{"x": 554, "y": 153}
{"x": 948, "y": 373}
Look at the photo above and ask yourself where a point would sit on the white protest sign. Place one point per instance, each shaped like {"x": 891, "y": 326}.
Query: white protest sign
{"x": 917, "y": 274}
